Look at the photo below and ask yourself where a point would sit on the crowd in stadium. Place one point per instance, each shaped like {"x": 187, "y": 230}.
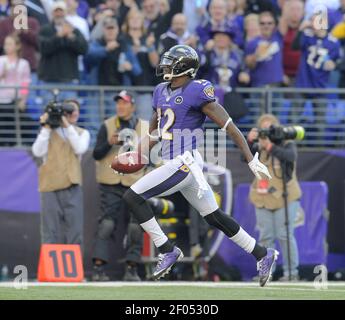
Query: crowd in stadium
{"x": 111, "y": 42}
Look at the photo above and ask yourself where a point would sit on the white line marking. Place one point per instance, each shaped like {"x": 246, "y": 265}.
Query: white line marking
{"x": 272, "y": 285}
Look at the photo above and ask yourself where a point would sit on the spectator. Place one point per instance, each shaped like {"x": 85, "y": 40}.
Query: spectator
{"x": 155, "y": 22}
{"x": 217, "y": 21}
{"x": 75, "y": 20}
{"x": 320, "y": 54}
{"x": 4, "y": 9}
{"x": 107, "y": 59}
{"x": 28, "y": 37}
{"x": 110, "y": 138}
{"x": 100, "y": 16}
{"x": 177, "y": 34}
{"x": 60, "y": 45}
{"x": 114, "y": 9}
{"x": 251, "y": 27}
{"x": 292, "y": 15}
{"x": 195, "y": 11}
{"x": 263, "y": 55}
{"x": 60, "y": 177}
{"x": 266, "y": 195}
{"x": 224, "y": 61}
{"x": 143, "y": 50}
{"x": 14, "y": 71}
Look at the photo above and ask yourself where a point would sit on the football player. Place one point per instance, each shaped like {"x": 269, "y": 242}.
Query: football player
{"x": 181, "y": 105}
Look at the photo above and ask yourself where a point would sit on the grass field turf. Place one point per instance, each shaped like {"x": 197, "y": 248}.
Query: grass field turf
{"x": 172, "y": 291}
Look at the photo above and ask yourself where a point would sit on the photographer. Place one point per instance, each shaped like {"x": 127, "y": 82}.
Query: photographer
{"x": 61, "y": 143}
{"x": 267, "y": 195}
{"x": 125, "y": 126}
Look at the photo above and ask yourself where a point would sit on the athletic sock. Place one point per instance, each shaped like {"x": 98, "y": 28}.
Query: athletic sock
{"x": 154, "y": 230}
{"x": 249, "y": 244}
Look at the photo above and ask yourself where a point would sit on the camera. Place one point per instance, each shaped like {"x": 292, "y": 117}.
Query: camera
{"x": 278, "y": 134}
{"x": 56, "y": 110}
{"x": 161, "y": 206}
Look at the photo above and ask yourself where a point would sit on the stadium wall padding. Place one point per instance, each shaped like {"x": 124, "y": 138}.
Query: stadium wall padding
{"x": 20, "y": 219}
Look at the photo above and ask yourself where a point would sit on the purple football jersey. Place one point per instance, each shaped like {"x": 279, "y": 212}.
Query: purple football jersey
{"x": 315, "y": 52}
{"x": 270, "y": 69}
{"x": 180, "y": 115}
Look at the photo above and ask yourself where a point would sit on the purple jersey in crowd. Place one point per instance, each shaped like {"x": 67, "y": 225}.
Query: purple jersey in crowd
{"x": 270, "y": 69}
{"x": 232, "y": 62}
{"x": 315, "y": 52}
{"x": 181, "y": 117}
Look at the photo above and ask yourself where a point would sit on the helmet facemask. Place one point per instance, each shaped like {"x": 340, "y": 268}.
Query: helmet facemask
{"x": 169, "y": 67}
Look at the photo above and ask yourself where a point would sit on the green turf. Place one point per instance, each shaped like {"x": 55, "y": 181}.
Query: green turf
{"x": 172, "y": 292}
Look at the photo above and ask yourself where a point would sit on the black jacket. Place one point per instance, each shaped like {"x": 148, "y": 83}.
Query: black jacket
{"x": 59, "y": 56}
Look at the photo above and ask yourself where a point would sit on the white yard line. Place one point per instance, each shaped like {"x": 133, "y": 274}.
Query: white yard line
{"x": 272, "y": 285}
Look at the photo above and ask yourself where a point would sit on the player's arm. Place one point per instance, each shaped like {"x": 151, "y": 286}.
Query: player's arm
{"x": 149, "y": 140}
{"x": 219, "y": 115}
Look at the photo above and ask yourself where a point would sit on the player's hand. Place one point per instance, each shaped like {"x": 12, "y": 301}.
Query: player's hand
{"x": 257, "y": 167}
{"x": 329, "y": 65}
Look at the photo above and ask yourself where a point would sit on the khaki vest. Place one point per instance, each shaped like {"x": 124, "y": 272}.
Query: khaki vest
{"x": 104, "y": 174}
{"x": 62, "y": 167}
{"x": 274, "y": 200}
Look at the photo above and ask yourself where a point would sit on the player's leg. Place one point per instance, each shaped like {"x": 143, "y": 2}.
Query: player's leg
{"x": 208, "y": 208}
{"x": 166, "y": 179}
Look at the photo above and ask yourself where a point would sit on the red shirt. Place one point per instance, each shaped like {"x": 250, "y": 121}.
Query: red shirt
{"x": 290, "y": 57}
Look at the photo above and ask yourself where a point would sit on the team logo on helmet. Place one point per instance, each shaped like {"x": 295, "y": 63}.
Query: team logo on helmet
{"x": 178, "y": 100}
{"x": 209, "y": 91}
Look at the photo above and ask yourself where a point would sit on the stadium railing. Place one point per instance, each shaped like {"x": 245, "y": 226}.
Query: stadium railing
{"x": 320, "y": 111}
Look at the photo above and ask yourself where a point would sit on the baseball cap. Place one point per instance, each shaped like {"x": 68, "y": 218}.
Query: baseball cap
{"x": 59, "y": 5}
{"x": 125, "y": 95}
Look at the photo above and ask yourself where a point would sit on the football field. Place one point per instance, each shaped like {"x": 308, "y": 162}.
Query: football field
{"x": 173, "y": 291}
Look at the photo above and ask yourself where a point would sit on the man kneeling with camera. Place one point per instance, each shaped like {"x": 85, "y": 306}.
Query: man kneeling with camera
{"x": 61, "y": 143}
{"x": 276, "y": 201}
